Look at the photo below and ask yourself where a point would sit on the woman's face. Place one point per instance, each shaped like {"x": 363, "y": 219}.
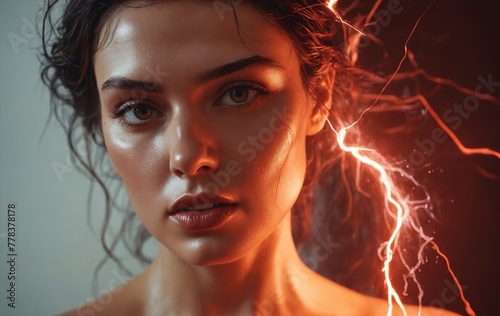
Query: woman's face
{"x": 190, "y": 108}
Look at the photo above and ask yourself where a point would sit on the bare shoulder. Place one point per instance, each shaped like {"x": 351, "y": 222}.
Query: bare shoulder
{"x": 122, "y": 300}
{"x": 339, "y": 300}
{"x": 428, "y": 311}
{"x": 379, "y": 307}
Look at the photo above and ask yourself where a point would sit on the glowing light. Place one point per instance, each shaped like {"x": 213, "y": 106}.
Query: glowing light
{"x": 397, "y": 206}
{"x": 465, "y": 150}
{"x": 422, "y": 100}
{"x": 332, "y": 3}
{"x": 468, "y": 308}
{"x": 399, "y": 65}
{"x": 393, "y": 197}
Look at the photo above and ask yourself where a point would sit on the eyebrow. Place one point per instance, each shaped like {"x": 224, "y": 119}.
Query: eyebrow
{"x": 123, "y": 83}
{"x": 227, "y": 69}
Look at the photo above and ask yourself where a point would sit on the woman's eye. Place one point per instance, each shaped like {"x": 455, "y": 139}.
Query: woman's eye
{"x": 240, "y": 95}
{"x": 139, "y": 113}
{"x": 135, "y": 113}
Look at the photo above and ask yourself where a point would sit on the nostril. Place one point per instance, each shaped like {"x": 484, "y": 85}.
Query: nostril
{"x": 194, "y": 164}
{"x": 177, "y": 172}
{"x": 204, "y": 169}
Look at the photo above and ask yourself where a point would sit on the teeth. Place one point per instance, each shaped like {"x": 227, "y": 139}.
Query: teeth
{"x": 199, "y": 207}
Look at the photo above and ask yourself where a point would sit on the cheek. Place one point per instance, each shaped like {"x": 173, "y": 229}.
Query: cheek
{"x": 138, "y": 162}
{"x": 275, "y": 159}
{"x": 284, "y": 173}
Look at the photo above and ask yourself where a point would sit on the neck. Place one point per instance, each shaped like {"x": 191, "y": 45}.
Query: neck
{"x": 265, "y": 280}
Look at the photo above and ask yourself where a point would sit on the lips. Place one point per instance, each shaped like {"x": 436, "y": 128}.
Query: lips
{"x": 199, "y": 202}
{"x": 200, "y": 207}
{"x": 199, "y": 212}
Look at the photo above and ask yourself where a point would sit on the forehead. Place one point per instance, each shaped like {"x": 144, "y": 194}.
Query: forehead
{"x": 196, "y": 33}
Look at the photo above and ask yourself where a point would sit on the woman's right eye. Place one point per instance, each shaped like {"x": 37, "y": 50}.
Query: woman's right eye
{"x": 135, "y": 113}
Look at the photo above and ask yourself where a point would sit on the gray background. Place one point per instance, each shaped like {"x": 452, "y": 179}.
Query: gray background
{"x": 57, "y": 253}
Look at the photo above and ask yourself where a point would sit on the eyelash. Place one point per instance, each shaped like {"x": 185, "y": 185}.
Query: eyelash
{"x": 261, "y": 90}
{"x": 122, "y": 109}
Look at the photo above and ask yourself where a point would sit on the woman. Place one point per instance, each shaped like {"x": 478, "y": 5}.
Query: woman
{"x": 213, "y": 117}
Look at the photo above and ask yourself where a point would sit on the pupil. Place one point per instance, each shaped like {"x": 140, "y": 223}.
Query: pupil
{"x": 239, "y": 95}
{"x": 142, "y": 113}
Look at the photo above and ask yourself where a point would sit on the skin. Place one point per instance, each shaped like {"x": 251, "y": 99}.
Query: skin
{"x": 190, "y": 132}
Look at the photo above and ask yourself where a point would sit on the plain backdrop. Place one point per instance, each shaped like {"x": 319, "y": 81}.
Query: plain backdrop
{"x": 57, "y": 252}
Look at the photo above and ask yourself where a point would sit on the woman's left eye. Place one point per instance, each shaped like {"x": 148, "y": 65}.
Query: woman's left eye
{"x": 241, "y": 95}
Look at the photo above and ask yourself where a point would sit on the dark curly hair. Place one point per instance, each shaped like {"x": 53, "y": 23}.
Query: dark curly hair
{"x": 330, "y": 203}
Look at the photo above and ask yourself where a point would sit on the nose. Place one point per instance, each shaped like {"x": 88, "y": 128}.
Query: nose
{"x": 192, "y": 146}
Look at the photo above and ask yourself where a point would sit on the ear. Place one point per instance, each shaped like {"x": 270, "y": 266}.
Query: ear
{"x": 319, "y": 111}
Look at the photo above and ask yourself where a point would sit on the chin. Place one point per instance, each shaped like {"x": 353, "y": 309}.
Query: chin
{"x": 206, "y": 252}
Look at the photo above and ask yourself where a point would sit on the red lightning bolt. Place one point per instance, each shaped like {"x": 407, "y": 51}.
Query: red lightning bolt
{"x": 397, "y": 206}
